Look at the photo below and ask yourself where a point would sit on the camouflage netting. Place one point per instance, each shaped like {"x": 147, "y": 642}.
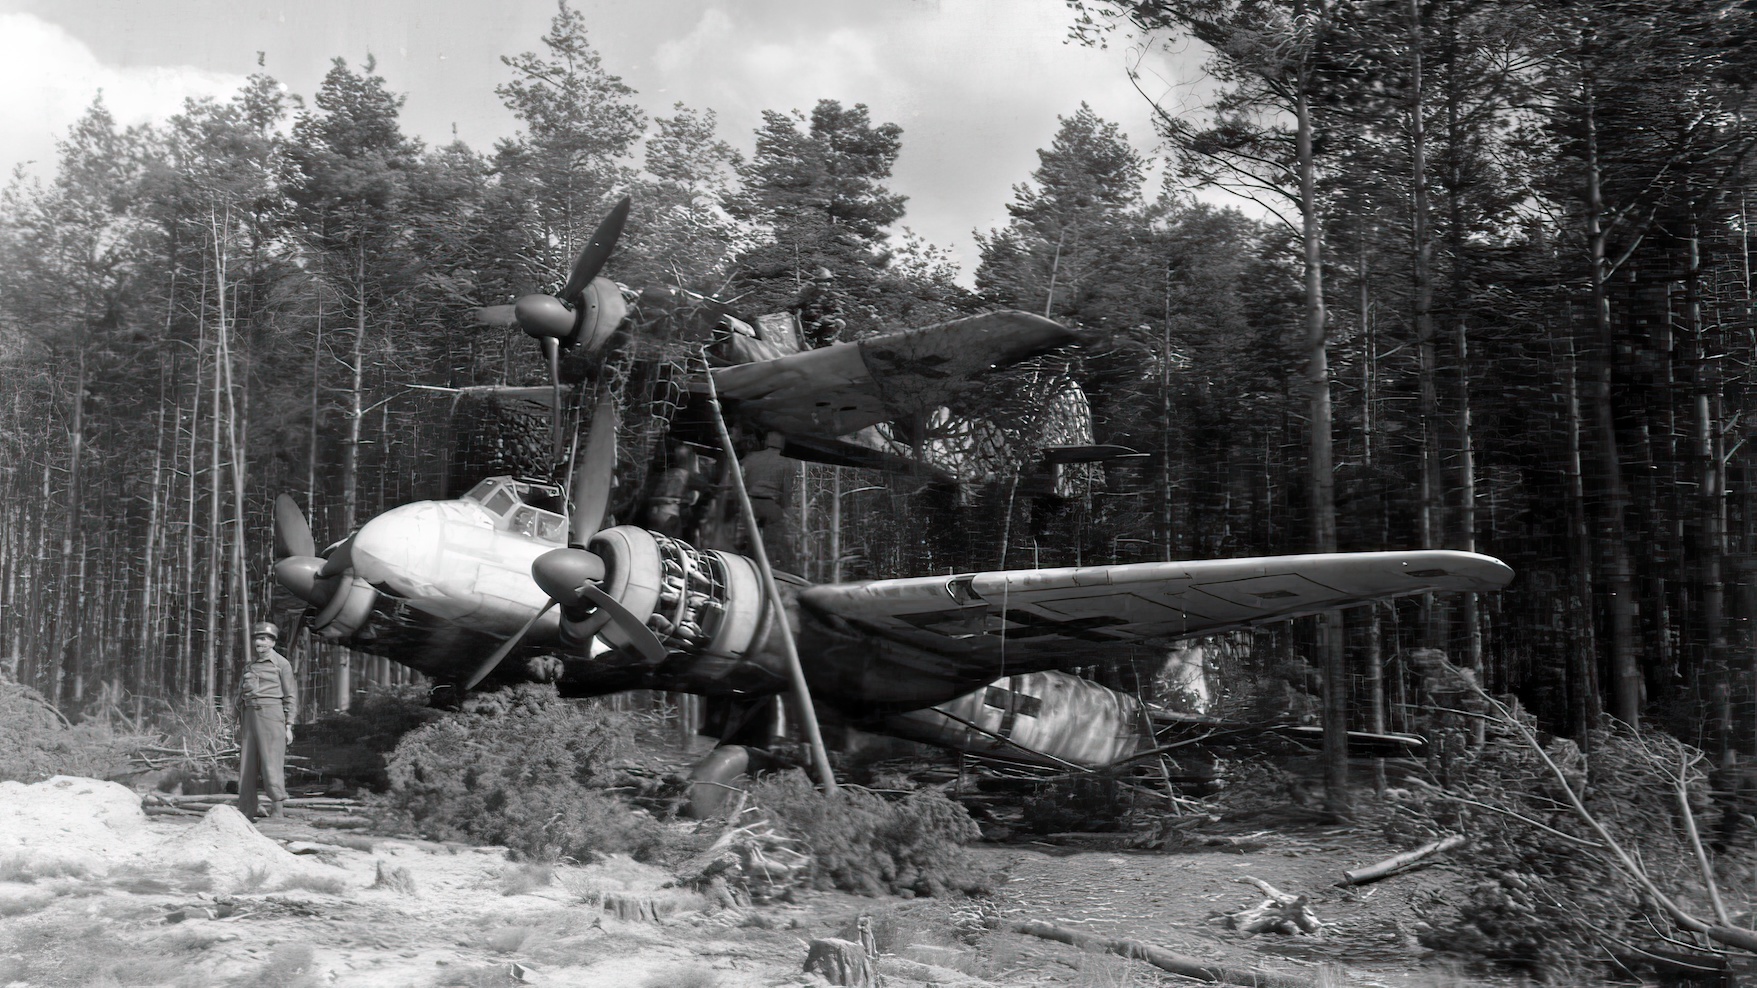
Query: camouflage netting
{"x": 1005, "y": 423}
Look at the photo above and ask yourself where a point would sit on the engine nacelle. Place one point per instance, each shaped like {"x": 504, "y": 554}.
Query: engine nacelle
{"x": 706, "y": 606}
{"x": 347, "y": 611}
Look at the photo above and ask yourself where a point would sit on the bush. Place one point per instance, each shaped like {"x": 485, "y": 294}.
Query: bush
{"x": 862, "y": 842}
{"x": 38, "y": 744}
{"x": 1543, "y": 903}
{"x": 531, "y": 779}
{"x": 352, "y": 746}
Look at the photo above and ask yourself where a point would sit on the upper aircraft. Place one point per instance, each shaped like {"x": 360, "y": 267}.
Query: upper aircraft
{"x": 517, "y": 580}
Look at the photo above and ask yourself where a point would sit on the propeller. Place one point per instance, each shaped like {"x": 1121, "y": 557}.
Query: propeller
{"x": 324, "y": 583}
{"x": 571, "y": 576}
{"x": 587, "y": 310}
{"x": 589, "y": 487}
{"x": 493, "y": 661}
{"x": 292, "y": 532}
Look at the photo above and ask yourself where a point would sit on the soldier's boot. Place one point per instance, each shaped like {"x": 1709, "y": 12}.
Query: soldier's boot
{"x": 274, "y": 809}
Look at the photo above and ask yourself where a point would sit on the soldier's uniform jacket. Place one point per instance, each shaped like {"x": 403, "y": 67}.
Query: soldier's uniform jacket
{"x": 267, "y": 680}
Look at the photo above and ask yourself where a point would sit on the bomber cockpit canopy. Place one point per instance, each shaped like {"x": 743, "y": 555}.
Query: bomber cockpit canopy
{"x": 515, "y": 504}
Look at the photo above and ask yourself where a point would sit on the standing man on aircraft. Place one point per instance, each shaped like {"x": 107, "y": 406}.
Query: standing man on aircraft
{"x": 267, "y": 699}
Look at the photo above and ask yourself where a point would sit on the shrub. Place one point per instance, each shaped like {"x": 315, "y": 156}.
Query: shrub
{"x": 1544, "y": 900}
{"x": 352, "y": 747}
{"x": 38, "y": 743}
{"x": 863, "y": 842}
{"x": 530, "y": 779}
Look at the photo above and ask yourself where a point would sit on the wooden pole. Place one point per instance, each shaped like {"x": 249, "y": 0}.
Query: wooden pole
{"x": 789, "y": 651}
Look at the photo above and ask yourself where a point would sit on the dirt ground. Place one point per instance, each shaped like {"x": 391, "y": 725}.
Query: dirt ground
{"x": 93, "y": 892}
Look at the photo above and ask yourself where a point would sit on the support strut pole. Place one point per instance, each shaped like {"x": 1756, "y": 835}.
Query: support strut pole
{"x": 789, "y": 651}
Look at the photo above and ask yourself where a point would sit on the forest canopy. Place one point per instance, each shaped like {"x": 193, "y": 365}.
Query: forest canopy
{"x": 1499, "y": 299}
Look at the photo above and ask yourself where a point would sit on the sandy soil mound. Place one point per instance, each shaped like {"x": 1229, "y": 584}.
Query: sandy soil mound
{"x": 72, "y": 820}
{"x": 233, "y": 850}
{"x": 85, "y": 825}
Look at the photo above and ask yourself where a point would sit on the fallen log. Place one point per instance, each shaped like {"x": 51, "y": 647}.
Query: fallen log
{"x": 1165, "y": 960}
{"x": 1277, "y": 913}
{"x": 229, "y": 798}
{"x": 1400, "y": 862}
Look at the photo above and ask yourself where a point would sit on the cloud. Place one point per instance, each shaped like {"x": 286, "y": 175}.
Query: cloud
{"x": 48, "y": 78}
{"x": 977, "y": 86}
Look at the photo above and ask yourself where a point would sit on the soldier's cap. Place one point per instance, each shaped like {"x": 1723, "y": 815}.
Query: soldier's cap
{"x": 265, "y": 628}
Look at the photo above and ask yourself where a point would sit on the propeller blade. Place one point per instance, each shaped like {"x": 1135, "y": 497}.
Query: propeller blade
{"x": 339, "y": 561}
{"x": 498, "y": 316}
{"x": 292, "y": 532}
{"x": 596, "y": 252}
{"x": 488, "y": 665}
{"x": 552, "y": 350}
{"x": 639, "y": 635}
{"x": 589, "y": 489}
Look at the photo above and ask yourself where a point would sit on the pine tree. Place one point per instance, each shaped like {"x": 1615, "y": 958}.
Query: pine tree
{"x": 816, "y": 187}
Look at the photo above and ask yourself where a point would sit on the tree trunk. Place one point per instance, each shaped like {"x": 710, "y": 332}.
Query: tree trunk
{"x": 1585, "y": 706}
{"x": 1330, "y": 640}
{"x": 1433, "y": 511}
{"x": 1626, "y": 681}
{"x": 61, "y": 643}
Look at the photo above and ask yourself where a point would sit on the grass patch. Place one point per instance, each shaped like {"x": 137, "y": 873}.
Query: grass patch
{"x": 289, "y": 965}
{"x": 47, "y": 954}
{"x": 323, "y": 884}
{"x": 142, "y": 880}
{"x": 26, "y": 870}
{"x": 397, "y": 879}
{"x": 507, "y": 939}
{"x": 23, "y": 905}
{"x": 688, "y": 976}
{"x": 254, "y": 880}
{"x": 523, "y": 879}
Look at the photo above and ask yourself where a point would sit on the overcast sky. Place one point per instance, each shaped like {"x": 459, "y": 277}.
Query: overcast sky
{"x": 976, "y": 84}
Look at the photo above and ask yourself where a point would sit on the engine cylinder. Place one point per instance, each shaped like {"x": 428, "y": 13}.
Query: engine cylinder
{"x": 694, "y": 600}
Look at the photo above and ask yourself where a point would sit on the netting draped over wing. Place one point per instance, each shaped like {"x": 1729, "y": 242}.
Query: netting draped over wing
{"x": 1006, "y": 424}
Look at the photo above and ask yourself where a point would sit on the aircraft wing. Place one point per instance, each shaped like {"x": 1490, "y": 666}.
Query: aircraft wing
{"x": 1051, "y": 618}
{"x": 846, "y": 387}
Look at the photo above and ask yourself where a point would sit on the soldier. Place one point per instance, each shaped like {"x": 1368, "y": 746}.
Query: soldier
{"x": 769, "y": 479}
{"x": 820, "y": 310}
{"x": 267, "y": 698}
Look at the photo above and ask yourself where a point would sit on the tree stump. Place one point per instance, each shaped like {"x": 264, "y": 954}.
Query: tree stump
{"x": 842, "y": 962}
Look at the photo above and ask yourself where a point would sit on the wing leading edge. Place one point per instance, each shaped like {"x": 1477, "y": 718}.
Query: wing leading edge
{"x": 1076, "y": 611}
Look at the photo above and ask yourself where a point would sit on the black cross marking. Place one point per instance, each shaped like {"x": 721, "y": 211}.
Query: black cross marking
{"x": 1036, "y": 626}
{"x": 1012, "y": 705}
{"x": 969, "y": 621}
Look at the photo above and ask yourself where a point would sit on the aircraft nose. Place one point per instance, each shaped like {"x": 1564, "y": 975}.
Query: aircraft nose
{"x": 397, "y": 548}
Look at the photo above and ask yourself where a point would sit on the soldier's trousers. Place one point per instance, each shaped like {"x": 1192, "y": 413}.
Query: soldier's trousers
{"x": 265, "y": 751}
